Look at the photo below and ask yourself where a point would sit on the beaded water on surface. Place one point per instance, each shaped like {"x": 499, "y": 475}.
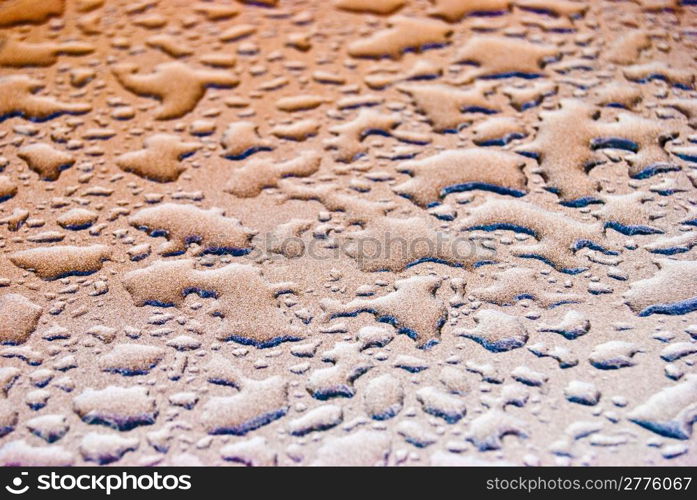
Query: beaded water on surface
{"x": 390, "y": 232}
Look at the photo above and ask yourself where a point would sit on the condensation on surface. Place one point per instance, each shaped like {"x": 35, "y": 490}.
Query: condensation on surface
{"x": 401, "y": 232}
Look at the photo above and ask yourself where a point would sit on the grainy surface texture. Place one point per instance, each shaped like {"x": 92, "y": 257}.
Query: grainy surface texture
{"x": 348, "y": 232}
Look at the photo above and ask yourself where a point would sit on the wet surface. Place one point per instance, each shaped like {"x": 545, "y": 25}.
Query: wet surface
{"x": 348, "y": 232}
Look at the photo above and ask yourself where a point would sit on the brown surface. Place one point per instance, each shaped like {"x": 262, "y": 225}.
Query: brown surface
{"x": 197, "y": 199}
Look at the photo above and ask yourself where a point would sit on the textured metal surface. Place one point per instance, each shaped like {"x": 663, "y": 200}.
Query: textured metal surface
{"x": 352, "y": 232}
